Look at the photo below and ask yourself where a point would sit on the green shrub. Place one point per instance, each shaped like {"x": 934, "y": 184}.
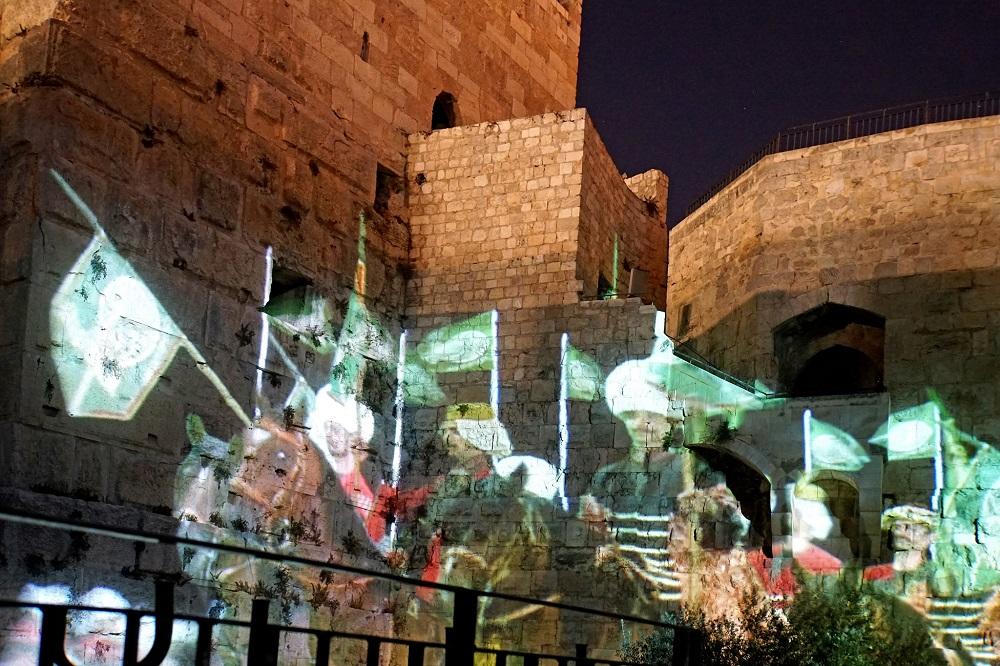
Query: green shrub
{"x": 829, "y": 623}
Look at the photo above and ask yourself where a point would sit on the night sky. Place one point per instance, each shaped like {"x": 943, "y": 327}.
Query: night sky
{"x": 694, "y": 87}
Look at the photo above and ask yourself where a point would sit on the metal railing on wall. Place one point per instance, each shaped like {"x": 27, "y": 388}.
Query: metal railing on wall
{"x": 861, "y": 124}
{"x": 264, "y": 643}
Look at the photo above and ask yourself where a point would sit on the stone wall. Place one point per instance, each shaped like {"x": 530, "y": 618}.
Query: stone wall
{"x": 199, "y": 133}
{"x": 495, "y": 214}
{"x": 833, "y": 222}
{"x": 525, "y": 213}
{"x": 623, "y": 220}
{"x": 902, "y": 224}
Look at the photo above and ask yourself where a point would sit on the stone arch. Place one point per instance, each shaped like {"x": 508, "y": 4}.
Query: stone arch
{"x": 831, "y": 349}
{"x": 445, "y": 111}
{"x": 843, "y": 501}
{"x": 763, "y": 511}
{"x": 749, "y": 456}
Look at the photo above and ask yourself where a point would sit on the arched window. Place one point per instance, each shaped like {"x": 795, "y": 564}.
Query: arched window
{"x": 445, "y": 112}
{"x": 832, "y": 349}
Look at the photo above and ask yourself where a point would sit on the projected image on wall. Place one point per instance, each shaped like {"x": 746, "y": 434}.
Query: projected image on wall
{"x": 644, "y": 484}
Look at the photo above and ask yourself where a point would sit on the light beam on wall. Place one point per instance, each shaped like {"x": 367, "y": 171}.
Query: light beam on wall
{"x": 495, "y": 369}
{"x": 265, "y": 329}
{"x": 397, "y": 441}
{"x": 938, "y": 460}
{"x": 614, "y": 270}
{"x": 807, "y": 439}
{"x": 563, "y": 420}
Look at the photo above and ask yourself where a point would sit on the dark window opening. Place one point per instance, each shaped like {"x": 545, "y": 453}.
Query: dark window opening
{"x": 751, "y": 489}
{"x": 684, "y": 319}
{"x": 604, "y": 288}
{"x": 388, "y": 186}
{"x": 445, "y": 113}
{"x": 365, "y": 47}
{"x": 838, "y": 370}
{"x": 289, "y": 292}
{"x": 832, "y": 349}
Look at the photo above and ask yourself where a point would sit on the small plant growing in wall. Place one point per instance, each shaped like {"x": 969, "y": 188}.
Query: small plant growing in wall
{"x": 321, "y": 598}
{"x": 98, "y": 268}
{"x": 350, "y": 543}
{"x": 723, "y": 433}
{"x": 216, "y": 519}
{"x": 305, "y": 530}
{"x": 222, "y": 472}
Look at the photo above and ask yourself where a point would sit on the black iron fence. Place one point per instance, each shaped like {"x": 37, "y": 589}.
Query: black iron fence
{"x": 862, "y": 124}
{"x": 263, "y": 647}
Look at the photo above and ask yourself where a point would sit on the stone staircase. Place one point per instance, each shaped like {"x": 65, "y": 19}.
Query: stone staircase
{"x": 957, "y": 620}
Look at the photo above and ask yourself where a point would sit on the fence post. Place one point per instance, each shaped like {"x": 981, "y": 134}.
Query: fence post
{"x": 262, "y": 648}
{"x": 460, "y": 637}
{"x": 581, "y": 655}
{"x": 687, "y": 647}
{"x": 203, "y": 648}
{"x": 51, "y": 648}
{"x": 163, "y": 632}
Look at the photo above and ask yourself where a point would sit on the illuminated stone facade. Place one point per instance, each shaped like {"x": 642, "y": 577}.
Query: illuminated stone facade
{"x": 252, "y": 297}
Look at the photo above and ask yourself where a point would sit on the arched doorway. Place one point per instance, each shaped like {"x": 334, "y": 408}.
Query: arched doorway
{"x": 841, "y": 499}
{"x": 751, "y": 489}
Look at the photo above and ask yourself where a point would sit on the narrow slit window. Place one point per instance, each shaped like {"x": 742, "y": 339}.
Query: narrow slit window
{"x": 365, "y": 47}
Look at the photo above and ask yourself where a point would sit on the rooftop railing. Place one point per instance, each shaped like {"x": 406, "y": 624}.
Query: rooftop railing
{"x": 861, "y": 124}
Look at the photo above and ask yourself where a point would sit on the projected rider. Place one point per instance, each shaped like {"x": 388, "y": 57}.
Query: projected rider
{"x": 489, "y": 517}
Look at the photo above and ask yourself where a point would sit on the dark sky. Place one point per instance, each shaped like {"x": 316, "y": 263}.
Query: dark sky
{"x": 693, "y": 87}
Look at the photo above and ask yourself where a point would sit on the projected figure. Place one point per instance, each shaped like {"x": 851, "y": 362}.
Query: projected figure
{"x": 483, "y": 481}
{"x": 911, "y": 533}
{"x": 630, "y": 499}
{"x": 476, "y": 439}
{"x": 341, "y": 429}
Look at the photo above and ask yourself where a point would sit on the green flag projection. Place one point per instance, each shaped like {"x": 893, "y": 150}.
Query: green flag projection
{"x": 831, "y": 448}
{"x": 584, "y": 379}
{"x": 911, "y": 433}
{"x": 460, "y": 347}
{"x": 420, "y": 387}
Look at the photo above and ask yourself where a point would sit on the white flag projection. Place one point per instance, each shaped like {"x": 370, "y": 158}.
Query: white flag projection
{"x": 114, "y": 337}
{"x": 911, "y": 433}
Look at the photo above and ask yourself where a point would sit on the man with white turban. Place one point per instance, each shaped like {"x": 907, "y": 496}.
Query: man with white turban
{"x": 636, "y": 394}
{"x": 633, "y": 500}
